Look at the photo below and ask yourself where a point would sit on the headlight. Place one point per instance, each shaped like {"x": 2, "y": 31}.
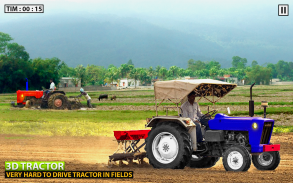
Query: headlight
{"x": 254, "y": 125}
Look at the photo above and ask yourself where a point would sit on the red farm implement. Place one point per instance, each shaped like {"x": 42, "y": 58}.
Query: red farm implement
{"x": 128, "y": 149}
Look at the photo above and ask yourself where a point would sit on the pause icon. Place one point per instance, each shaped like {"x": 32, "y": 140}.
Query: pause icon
{"x": 283, "y": 10}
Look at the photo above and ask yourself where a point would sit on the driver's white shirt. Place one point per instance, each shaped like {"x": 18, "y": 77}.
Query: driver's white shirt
{"x": 52, "y": 86}
{"x": 191, "y": 111}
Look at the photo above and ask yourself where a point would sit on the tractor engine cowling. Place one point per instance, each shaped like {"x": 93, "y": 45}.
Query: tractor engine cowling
{"x": 259, "y": 130}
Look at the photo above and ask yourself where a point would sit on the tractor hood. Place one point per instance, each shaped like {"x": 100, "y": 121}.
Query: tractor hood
{"x": 259, "y": 129}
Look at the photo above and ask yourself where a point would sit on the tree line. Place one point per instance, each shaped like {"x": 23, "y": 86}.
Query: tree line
{"x": 16, "y": 66}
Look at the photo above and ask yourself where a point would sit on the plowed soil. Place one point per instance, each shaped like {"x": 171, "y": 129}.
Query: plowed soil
{"x": 91, "y": 154}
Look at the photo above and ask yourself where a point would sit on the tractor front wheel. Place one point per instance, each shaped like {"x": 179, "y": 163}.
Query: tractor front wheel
{"x": 236, "y": 158}
{"x": 57, "y": 101}
{"x": 168, "y": 146}
{"x": 266, "y": 160}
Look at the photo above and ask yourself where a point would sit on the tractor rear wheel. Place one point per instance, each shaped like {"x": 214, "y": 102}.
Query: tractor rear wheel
{"x": 168, "y": 146}
{"x": 266, "y": 160}
{"x": 202, "y": 162}
{"x": 57, "y": 101}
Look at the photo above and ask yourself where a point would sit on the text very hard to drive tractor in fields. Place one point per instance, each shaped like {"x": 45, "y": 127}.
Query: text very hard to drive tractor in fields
{"x": 53, "y": 100}
{"x": 171, "y": 142}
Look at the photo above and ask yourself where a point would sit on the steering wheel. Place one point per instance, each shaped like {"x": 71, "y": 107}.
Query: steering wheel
{"x": 205, "y": 116}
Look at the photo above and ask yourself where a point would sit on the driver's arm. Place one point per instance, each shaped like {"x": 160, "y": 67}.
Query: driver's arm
{"x": 199, "y": 114}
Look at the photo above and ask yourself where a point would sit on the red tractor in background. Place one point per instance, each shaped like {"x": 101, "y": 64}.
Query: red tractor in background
{"x": 53, "y": 100}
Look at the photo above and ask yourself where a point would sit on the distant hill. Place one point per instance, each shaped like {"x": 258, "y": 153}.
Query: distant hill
{"x": 104, "y": 40}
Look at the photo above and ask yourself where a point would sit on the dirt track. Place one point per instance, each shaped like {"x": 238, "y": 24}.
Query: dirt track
{"x": 91, "y": 154}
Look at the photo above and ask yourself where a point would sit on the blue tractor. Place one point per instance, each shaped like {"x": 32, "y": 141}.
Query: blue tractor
{"x": 171, "y": 142}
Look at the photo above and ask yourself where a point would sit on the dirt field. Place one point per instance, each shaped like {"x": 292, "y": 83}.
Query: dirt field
{"x": 91, "y": 154}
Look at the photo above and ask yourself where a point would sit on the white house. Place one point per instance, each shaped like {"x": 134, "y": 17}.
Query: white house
{"x": 67, "y": 82}
{"x": 128, "y": 83}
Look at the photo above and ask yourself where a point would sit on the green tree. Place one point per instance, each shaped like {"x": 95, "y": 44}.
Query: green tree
{"x": 211, "y": 64}
{"x": 44, "y": 70}
{"x": 188, "y": 72}
{"x": 95, "y": 74}
{"x": 13, "y": 74}
{"x": 151, "y": 72}
{"x": 274, "y": 73}
{"x": 125, "y": 69}
{"x": 254, "y": 63}
{"x": 143, "y": 77}
{"x": 213, "y": 72}
{"x": 221, "y": 72}
{"x": 259, "y": 74}
{"x": 130, "y": 62}
{"x": 240, "y": 74}
{"x": 112, "y": 74}
{"x": 181, "y": 72}
{"x": 283, "y": 70}
{"x": 173, "y": 71}
{"x": 111, "y": 65}
{"x": 4, "y": 39}
{"x": 75, "y": 82}
{"x": 157, "y": 71}
{"x": 163, "y": 73}
{"x": 202, "y": 74}
{"x": 81, "y": 74}
{"x": 66, "y": 71}
{"x": 196, "y": 65}
{"x": 135, "y": 74}
{"x": 239, "y": 62}
{"x": 17, "y": 51}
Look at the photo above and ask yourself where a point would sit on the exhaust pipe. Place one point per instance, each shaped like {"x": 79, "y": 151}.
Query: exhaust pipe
{"x": 251, "y": 103}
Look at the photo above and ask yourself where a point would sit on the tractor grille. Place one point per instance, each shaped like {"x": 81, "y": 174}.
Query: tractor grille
{"x": 266, "y": 132}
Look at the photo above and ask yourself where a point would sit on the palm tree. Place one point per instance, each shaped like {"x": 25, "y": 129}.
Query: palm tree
{"x": 174, "y": 71}
{"x": 112, "y": 74}
{"x": 163, "y": 72}
{"x": 80, "y": 73}
{"x": 134, "y": 74}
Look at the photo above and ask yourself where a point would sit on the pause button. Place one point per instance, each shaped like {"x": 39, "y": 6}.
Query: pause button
{"x": 283, "y": 9}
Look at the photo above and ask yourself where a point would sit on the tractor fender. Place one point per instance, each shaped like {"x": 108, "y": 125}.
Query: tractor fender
{"x": 184, "y": 122}
{"x": 56, "y": 91}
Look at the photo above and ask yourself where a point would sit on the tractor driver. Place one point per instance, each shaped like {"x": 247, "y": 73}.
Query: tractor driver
{"x": 191, "y": 110}
{"x": 52, "y": 88}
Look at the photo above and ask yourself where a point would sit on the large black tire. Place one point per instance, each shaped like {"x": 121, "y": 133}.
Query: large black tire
{"x": 202, "y": 162}
{"x": 236, "y": 158}
{"x": 57, "y": 101}
{"x": 168, "y": 146}
{"x": 267, "y": 160}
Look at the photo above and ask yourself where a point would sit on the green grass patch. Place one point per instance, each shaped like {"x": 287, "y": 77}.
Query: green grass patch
{"x": 271, "y": 110}
{"x": 96, "y": 116}
{"x": 72, "y": 128}
{"x": 283, "y": 129}
{"x": 73, "y": 123}
{"x": 90, "y": 122}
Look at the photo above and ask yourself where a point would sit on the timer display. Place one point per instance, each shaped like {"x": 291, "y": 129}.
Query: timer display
{"x": 24, "y": 8}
